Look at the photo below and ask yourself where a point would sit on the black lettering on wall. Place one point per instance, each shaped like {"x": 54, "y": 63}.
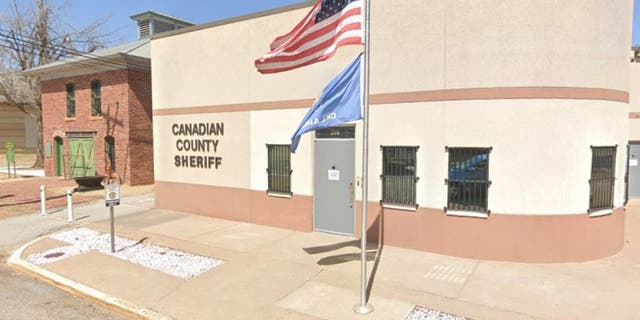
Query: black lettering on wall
{"x": 198, "y": 144}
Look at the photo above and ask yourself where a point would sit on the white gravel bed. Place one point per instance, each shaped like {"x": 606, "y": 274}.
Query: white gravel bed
{"x": 421, "y": 313}
{"x": 174, "y": 262}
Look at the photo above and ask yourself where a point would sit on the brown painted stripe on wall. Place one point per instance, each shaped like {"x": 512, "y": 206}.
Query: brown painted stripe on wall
{"x": 502, "y": 93}
{"x": 634, "y": 115}
{"x": 271, "y": 105}
{"x": 506, "y": 237}
{"x": 424, "y": 96}
{"x": 236, "y": 204}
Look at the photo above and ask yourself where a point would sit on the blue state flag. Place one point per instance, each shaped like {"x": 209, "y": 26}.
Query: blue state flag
{"x": 339, "y": 103}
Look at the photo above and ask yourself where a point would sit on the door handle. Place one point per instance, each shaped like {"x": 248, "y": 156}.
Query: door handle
{"x": 351, "y": 194}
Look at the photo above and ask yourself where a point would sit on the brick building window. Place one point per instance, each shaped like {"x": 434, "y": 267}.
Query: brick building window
{"x": 96, "y": 103}
{"x": 603, "y": 176}
{"x": 71, "y": 100}
{"x": 399, "y": 175}
{"x": 110, "y": 152}
{"x": 468, "y": 181}
{"x": 279, "y": 168}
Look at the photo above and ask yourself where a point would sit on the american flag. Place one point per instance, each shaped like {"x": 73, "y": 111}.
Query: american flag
{"x": 329, "y": 25}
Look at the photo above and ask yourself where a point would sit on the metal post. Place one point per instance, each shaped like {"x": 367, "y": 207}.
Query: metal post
{"x": 113, "y": 240}
{"x": 15, "y": 174}
{"x": 363, "y": 307}
{"x": 70, "y": 205}
{"x": 43, "y": 198}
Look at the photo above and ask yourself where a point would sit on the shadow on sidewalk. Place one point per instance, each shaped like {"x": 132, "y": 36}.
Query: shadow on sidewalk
{"x": 376, "y": 226}
{"x": 347, "y": 257}
{"x": 332, "y": 247}
{"x": 375, "y": 232}
{"x": 137, "y": 243}
{"x": 31, "y": 201}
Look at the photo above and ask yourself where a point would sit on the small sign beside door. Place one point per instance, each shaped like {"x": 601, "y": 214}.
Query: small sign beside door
{"x": 334, "y": 175}
{"x": 47, "y": 150}
{"x": 633, "y": 163}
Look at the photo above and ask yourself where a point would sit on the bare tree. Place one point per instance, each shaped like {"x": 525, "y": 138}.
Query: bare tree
{"x": 35, "y": 35}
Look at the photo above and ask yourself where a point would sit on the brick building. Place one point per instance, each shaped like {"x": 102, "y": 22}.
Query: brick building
{"x": 96, "y": 109}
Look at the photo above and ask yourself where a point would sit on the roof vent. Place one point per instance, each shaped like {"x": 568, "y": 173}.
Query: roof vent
{"x": 151, "y": 23}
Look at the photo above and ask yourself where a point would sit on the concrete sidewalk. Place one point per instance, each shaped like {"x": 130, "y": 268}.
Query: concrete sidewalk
{"x": 271, "y": 273}
{"x": 15, "y": 231}
{"x": 23, "y": 171}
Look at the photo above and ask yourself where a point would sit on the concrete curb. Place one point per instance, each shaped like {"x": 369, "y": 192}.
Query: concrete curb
{"x": 16, "y": 261}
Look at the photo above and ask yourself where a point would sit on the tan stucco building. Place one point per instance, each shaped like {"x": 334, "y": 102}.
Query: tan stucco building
{"x": 532, "y": 94}
{"x": 633, "y": 177}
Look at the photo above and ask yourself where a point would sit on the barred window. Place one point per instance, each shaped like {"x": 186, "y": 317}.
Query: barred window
{"x": 626, "y": 176}
{"x": 71, "y": 100}
{"x": 279, "y": 168}
{"x": 468, "y": 181}
{"x": 96, "y": 99}
{"x": 110, "y": 152}
{"x": 399, "y": 175}
{"x": 603, "y": 162}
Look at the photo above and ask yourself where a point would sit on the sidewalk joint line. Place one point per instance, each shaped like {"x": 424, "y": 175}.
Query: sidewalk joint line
{"x": 464, "y": 285}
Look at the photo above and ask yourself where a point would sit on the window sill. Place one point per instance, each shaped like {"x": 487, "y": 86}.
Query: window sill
{"x": 600, "y": 213}
{"x": 69, "y": 119}
{"x": 279, "y": 195}
{"x": 95, "y": 118}
{"x": 400, "y": 207}
{"x": 469, "y": 214}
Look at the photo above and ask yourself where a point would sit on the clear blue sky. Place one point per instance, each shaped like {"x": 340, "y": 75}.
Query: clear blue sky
{"x": 636, "y": 23}
{"x": 196, "y": 11}
{"x": 117, "y": 12}
{"x": 82, "y": 12}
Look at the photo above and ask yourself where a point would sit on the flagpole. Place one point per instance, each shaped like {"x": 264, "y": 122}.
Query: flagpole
{"x": 363, "y": 307}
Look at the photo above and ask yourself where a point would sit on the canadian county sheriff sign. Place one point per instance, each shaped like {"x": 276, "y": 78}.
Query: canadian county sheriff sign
{"x": 112, "y": 195}
{"x": 200, "y": 143}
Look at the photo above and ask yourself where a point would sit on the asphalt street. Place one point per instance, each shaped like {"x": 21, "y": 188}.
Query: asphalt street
{"x": 25, "y": 298}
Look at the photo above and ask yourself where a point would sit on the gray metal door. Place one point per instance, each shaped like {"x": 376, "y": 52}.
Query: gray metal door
{"x": 333, "y": 201}
{"x": 634, "y": 171}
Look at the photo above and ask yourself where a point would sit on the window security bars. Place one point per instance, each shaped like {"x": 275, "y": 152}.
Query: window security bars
{"x": 279, "y": 168}
{"x": 110, "y": 151}
{"x": 602, "y": 180}
{"x": 71, "y": 100}
{"x": 468, "y": 181}
{"x": 96, "y": 99}
{"x": 399, "y": 175}
{"x": 626, "y": 176}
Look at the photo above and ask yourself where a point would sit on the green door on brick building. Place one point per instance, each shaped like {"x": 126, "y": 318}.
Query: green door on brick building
{"x": 59, "y": 162}
{"x": 81, "y": 157}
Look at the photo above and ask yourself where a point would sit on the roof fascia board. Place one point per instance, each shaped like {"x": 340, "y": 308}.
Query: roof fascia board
{"x": 90, "y": 66}
{"x": 234, "y": 19}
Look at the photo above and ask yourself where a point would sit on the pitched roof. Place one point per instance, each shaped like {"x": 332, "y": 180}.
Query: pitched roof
{"x": 138, "y": 49}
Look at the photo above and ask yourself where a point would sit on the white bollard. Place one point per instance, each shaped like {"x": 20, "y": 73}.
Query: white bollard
{"x": 70, "y": 205}
{"x": 43, "y": 206}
